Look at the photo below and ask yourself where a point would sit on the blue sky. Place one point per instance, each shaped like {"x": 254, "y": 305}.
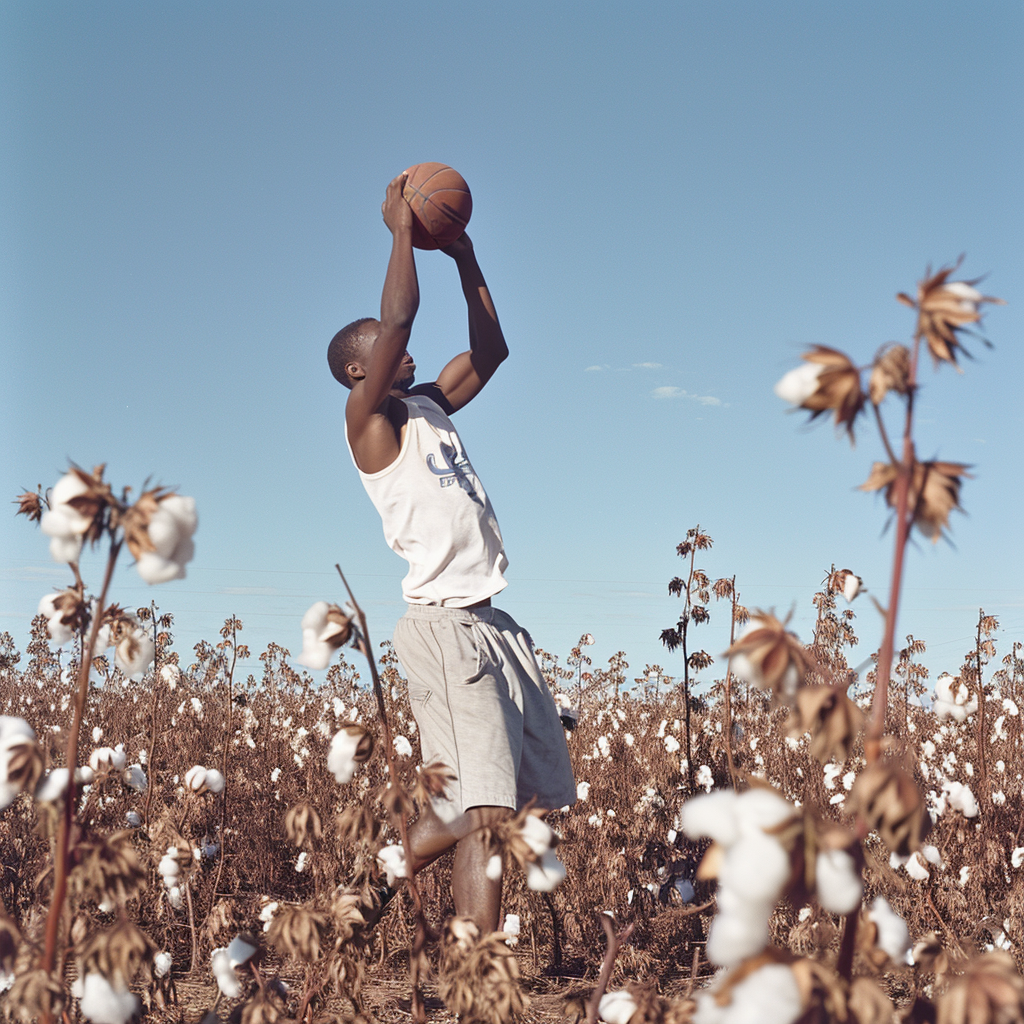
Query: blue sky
{"x": 671, "y": 203}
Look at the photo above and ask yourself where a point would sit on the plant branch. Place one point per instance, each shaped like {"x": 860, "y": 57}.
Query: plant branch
{"x": 614, "y": 942}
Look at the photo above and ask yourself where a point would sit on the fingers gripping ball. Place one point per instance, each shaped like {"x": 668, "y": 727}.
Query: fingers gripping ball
{"x": 441, "y": 204}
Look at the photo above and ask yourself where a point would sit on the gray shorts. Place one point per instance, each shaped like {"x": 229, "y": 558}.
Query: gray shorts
{"x": 482, "y": 707}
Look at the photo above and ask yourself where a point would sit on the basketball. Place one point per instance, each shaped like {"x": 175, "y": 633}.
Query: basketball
{"x": 441, "y": 204}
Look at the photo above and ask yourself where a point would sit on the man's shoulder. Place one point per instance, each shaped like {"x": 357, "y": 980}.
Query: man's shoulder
{"x": 432, "y": 392}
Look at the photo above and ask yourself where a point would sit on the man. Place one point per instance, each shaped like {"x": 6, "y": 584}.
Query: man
{"x": 477, "y": 693}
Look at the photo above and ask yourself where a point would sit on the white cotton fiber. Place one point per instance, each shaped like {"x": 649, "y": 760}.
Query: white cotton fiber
{"x": 756, "y": 868}
{"x": 713, "y": 815}
{"x": 760, "y": 809}
{"x": 893, "y": 935}
{"x": 544, "y": 875}
{"x": 838, "y": 882}
{"x": 768, "y": 996}
{"x": 733, "y": 938}
{"x": 103, "y": 1004}
{"x": 616, "y": 1007}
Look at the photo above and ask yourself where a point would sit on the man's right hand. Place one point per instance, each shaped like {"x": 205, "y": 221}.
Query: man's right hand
{"x": 396, "y": 211}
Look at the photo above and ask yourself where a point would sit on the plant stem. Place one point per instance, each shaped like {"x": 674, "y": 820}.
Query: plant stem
{"x": 904, "y": 518}
{"x": 224, "y": 760}
{"x": 61, "y": 865}
{"x": 728, "y": 690}
{"x": 614, "y": 941}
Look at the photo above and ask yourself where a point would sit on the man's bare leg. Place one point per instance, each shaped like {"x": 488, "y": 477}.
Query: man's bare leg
{"x": 476, "y": 896}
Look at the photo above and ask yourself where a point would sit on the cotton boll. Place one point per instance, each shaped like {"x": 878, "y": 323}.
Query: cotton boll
{"x": 494, "y": 868}
{"x": 916, "y": 867}
{"x": 65, "y": 548}
{"x": 714, "y": 815}
{"x": 733, "y": 938}
{"x": 544, "y": 875}
{"x": 537, "y": 834}
{"x": 761, "y": 809}
{"x": 52, "y": 787}
{"x": 170, "y": 530}
{"x": 800, "y": 383}
{"x": 60, "y": 633}
{"x": 893, "y": 935}
{"x": 133, "y": 819}
{"x": 756, "y": 869}
{"x": 768, "y": 996}
{"x": 838, "y": 883}
{"x": 616, "y": 1007}
{"x": 932, "y": 855}
{"x": 103, "y": 759}
{"x": 102, "y": 1003}
{"x": 227, "y": 980}
{"x": 962, "y": 799}
{"x": 134, "y": 654}
{"x": 403, "y": 748}
{"x": 195, "y": 777}
{"x": 214, "y": 781}
{"x": 392, "y": 859}
{"x": 511, "y": 927}
{"x": 341, "y": 758}
{"x": 174, "y": 897}
{"x": 162, "y": 963}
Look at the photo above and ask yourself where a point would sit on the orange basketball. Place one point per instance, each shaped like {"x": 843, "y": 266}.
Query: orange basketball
{"x": 441, "y": 204}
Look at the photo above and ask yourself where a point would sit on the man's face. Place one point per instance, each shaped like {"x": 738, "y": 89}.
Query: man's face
{"x": 406, "y": 375}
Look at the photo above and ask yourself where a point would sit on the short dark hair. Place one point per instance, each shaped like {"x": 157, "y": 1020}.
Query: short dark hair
{"x": 346, "y": 346}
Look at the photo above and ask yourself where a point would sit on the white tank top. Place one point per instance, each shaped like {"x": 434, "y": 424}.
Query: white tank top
{"x": 436, "y": 514}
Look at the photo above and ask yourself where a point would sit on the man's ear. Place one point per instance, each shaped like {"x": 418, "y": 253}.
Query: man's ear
{"x": 355, "y": 371}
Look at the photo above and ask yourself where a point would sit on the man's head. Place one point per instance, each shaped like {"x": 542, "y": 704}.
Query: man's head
{"x": 349, "y": 352}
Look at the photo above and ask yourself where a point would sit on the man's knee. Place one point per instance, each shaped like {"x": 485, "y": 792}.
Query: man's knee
{"x": 486, "y": 817}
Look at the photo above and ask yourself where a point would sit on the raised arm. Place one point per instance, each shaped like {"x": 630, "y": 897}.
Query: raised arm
{"x": 366, "y": 410}
{"x": 462, "y": 379}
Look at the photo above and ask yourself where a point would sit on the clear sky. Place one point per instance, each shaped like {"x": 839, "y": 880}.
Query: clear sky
{"x": 672, "y": 201}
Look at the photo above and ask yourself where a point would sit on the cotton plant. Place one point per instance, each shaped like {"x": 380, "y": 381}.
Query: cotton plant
{"x": 21, "y": 762}
{"x": 952, "y": 699}
{"x": 325, "y": 629}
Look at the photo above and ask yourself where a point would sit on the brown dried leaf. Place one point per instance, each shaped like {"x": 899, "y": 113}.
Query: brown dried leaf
{"x": 298, "y": 932}
{"x": 868, "y": 1003}
{"x": 944, "y": 308}
{"x": 838, "y": 387}
{"x": 302, "y": 822}
{"x": 117, "y": 953}
{"x": 107, "y": 868}
{"x": 933, "y": 492}
{"x": 890, "y": 802}
{"x": 833, "y": 720}
{"x": 990, "y": 991}
{"x": 777, "y": 660}
{"x": 30, "y": 504}
{"x": 890, "y": 372}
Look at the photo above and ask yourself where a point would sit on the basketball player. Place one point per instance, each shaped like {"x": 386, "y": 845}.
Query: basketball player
{"x": 481, "y": 704}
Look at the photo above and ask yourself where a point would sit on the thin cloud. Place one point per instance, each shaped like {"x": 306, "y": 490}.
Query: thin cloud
{"x": 671, "y": 391}
{"x": 595, "y": 369}
{"x": 647, "y": 366}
